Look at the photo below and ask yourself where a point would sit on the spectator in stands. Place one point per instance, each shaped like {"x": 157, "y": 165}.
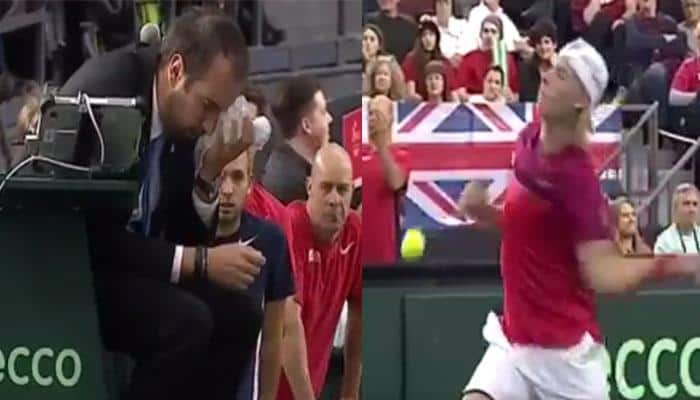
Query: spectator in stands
{"x": 327, "y": 236}
{"x": 681, "y": 237}
{"x": 471, "y": 72}
{"x": 456, "y": 37}
{"x": 384, "y": 77}
{"x": 399, "y": 30}
{"x": 653, "y": 50}
{"x": 436, "y": 82}
{"x": 372, "y": 45}
{"x": 596, "y": 20}
{"x": 686, "y": 81}
{"x": 650, "y": 37}
{"x": 426, "y": 49}
{"x": 543, "y": 37}
{"x": 494, "y": 88}
{"x": 304, "y": 122}
{"x": 385, "y": 172}
{"x": 510, "y": 34}
{"x": 691, "y": 12}
{"x": 625, "y": 231}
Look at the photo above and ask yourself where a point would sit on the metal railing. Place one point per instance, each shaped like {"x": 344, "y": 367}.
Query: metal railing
{"x": 654, "y": 188}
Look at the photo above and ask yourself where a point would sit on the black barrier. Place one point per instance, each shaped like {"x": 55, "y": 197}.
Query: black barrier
{"x": 422, "y": 336}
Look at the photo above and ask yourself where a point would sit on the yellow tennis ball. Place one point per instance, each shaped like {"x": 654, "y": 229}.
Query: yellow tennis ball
{"x": 413, "y": 244}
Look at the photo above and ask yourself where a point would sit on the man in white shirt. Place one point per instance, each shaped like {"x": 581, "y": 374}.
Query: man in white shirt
{"x": 456, "y": 36}
{"x": 682, "y": 237}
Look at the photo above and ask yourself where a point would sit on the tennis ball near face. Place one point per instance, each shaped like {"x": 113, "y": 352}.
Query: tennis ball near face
{"x": 413, "y": 244}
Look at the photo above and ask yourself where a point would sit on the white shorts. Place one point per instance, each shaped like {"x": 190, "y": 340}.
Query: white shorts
{"x": 526, "y": 372}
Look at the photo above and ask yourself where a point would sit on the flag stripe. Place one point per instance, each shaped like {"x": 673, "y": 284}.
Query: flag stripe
{"x": 436, "y": 197}
{"x": 493, "y": 117}
{"x": 418, "y": 117}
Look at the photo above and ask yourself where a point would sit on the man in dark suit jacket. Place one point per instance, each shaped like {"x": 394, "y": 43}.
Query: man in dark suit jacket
{"x": 178, "y": 310}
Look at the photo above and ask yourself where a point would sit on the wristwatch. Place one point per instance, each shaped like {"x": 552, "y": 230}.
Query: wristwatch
{"x": 206, "y": 188}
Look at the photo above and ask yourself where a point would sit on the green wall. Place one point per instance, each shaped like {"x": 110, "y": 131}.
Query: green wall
{"x": 423, "y": 342}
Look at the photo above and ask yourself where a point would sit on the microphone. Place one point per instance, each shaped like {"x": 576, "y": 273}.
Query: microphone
{"x": 150, "y": 34}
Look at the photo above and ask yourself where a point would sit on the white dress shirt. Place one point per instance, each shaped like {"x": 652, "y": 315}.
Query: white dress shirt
{"x": 457, "y": 38}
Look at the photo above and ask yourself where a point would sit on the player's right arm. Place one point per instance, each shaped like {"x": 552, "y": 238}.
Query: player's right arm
{"x": 294, "y": 355}
{"x": 602, "y": 265}
{"x": 474, "y": 203}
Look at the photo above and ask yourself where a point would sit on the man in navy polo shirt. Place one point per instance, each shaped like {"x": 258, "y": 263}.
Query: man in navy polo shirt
{"x": 270, "y": 289}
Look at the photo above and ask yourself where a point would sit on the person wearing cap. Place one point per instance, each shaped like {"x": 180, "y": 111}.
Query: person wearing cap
{"x": 471, "y": 71}
{"x": 425, "y": 50}
{"x": 556, "y": 250}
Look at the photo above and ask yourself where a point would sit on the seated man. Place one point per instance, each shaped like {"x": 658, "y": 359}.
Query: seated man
{"x": 274, "y": 284}
{"x": 243, "y": 204}
{"x": 327, "y": 272}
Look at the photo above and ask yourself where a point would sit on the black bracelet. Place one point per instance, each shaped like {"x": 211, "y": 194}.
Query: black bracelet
{"x": 205, "y": 263}
{"x": 198, "y": 265}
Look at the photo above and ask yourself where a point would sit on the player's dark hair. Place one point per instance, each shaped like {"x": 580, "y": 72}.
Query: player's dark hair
{"x": 199, "y": 35}
{"x": 296, "y": 96}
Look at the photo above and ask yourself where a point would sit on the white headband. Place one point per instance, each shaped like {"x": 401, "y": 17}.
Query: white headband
{"x": 589, "y": 66}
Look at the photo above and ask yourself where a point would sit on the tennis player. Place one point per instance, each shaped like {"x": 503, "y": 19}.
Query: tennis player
{"x": 556, "y": 250}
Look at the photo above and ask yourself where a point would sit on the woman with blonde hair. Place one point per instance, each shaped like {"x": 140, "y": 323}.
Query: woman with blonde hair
{"x": 624, "y": 228}
{"x": 384, "y": 77}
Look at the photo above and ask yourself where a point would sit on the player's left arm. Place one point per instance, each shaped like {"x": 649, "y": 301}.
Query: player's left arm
{"x": 271, "y": 352}
{"x": 350, "y": 388}
{"x": 280, "y": 287}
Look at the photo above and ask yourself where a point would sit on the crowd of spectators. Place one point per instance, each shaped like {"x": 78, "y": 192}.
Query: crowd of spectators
{"x": 495, "y": 51}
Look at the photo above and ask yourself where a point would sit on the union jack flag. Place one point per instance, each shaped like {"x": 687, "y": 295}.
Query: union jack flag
{"x": 450, "y": 144}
